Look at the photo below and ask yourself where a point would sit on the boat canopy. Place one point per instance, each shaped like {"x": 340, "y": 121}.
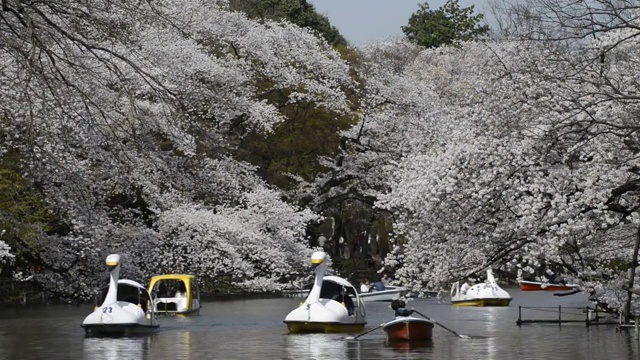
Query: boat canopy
{"x": 184, "y": 277}
{"x": 131, "y": 283}
{"x": 163, "y": 286}
{"x": 129, "y": 291}
{"x": 331, "y": 285}
{"x": 338, "y": 280}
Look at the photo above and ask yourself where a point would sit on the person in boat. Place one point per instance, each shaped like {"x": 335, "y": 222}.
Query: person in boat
{"x": 400, "y": 310}
{"x": 386, "y": 280}
{"x": 464, "y": 288}
{"x": 345, "y": 300}
{"x": 555, "y": 279}
{"x": 378, "y": 285}
{"x": 182, "y": 290}
{"x": 162, "y": 291}
{"x": 365, "y": 287}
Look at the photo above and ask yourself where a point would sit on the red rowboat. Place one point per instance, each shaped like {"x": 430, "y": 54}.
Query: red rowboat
{"x": 540, "y": 286}
{"x": 408, "y": 328}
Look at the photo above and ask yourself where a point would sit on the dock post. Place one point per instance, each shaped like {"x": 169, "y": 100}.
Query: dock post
{"x": 637, "y": 320}
{"x": 560, "y": 315}
{"x": 519, "y": 322}
{"x": 588, "y": 311}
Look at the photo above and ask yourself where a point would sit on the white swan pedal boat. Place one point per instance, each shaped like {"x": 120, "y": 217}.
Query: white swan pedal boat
{"x": 125, "y": 309}
{"x": 333, "y": 305}
{"x": 483, "y": 294}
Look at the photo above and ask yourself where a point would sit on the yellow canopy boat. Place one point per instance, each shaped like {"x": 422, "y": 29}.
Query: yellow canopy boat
{"x": 175, "y": 294}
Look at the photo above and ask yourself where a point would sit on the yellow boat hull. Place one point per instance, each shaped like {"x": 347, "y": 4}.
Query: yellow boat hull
{"x": 303, "y": 327}
{"x": 482, "y": 302}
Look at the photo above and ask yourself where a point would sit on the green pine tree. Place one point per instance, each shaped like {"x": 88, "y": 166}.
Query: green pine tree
{"x": 448, "y": 25}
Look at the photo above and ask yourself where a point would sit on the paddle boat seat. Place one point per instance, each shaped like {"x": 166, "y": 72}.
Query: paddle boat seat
{"x": 171, "y": 304}
{"x": 333, "y": 291}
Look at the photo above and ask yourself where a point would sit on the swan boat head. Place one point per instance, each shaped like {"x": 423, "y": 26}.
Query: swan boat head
{"x": 333, "y": 304}
{"x": 113, "y": 265}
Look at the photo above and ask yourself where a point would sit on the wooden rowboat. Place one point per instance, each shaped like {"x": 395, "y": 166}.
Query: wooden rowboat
{"x": 540, "y": 286}
{"x": 408, "y": 328}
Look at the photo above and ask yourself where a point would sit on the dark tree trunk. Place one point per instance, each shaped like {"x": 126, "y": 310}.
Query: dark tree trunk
{"x": 312, "y": 234}
{"x": 632, "y": 275}
{"x": 337, "y": 234}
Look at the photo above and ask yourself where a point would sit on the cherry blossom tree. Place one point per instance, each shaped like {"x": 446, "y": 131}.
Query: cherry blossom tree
{"x": 5, "y": 251}
{"x": 541, "y": 164}
{"x": 124, "y": 114}
{"x": 608, "y": 31}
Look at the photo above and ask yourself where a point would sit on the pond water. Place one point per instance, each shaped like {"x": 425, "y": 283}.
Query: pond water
{"x": 253, "y": 329}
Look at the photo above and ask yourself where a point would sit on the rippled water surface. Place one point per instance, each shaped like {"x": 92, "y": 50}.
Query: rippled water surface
{"x": 253, "y": 329}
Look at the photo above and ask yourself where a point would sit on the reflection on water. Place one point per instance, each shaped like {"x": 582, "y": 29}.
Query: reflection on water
{"x": 318, "y": 346}
{"x": 176, "y": 337}
{"x": 175, "y": 345}
{"x": 338, "y": 347}
{"x": 4, "y": 345}
{"x": 109, "y": 348}
{"x": 410, "y": 346}
{"x": 491, "y": 315}
{"x": 253, "y": 329}
{"x": 183, "y": 342}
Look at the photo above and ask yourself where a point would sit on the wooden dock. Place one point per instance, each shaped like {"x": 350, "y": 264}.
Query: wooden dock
{"x": 631, "y": 321}
{"x": 585, "y": 315}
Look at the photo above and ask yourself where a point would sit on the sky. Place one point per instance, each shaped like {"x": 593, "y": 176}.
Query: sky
{"x": 361, "y": 21}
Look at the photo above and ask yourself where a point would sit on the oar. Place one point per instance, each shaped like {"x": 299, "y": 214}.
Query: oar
{"x": 442, "y": 326}
{"x": 575, "y": 291}
{"x": 366, "y": 332}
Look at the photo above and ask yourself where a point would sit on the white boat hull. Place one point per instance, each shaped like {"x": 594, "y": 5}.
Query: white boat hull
{"x": 322, "y": 316}
{"x": 121, "y": 318}
{"x": 175, "y": 306}
{"x": 389, "y": 294}
{"x": 324, "y": 310}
